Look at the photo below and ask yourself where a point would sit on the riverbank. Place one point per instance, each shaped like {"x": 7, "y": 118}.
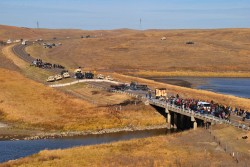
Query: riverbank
{"x": 204, "y": 74}
{"x": 189, "y": 148}
{"x": 18, "y": 134}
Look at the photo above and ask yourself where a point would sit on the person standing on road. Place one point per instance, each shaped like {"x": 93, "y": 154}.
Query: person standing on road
{"x": 150, "y": 94}
{"x": 244, "y": 116}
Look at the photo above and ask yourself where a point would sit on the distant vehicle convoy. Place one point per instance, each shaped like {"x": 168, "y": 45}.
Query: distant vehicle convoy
{"x": 131, "y": 86}
{"x": 64, "y": 74}
{"x": 78, "y": 74}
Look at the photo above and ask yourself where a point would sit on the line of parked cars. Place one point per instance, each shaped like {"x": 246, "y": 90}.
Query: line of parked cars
{"x": 64, "y": 74}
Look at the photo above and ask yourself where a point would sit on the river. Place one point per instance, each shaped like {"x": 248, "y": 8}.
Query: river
{"x": 11, "y": 150}
{"x": 232, "y": 86}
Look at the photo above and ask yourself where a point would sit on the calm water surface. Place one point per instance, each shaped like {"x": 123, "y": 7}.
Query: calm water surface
{"x": 10, "y": 150}
{"x": 233, "y": 86}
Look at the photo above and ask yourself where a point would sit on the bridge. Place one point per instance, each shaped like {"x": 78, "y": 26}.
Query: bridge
{"x": 181, "y": 118}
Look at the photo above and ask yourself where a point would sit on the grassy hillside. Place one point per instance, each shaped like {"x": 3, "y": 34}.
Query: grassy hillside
{"x": 12, "y": 32}
{"x": 30, "y": 104}
{"x": 192, "y": 148}
{"x": 7, "y": 63}
{"x": 224, "y": 50}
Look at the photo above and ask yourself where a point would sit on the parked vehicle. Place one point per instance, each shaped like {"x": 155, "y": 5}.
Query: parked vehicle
{"x": 58, "y": 77}
{"x": 51, "y": 79}
{"x": 109, "y": 78}
{"x": 89, "y": 75}
{"x": 248, "y": 115}
{"x": 100, "y": 76}
{"x": 79, "y": 75}
{"x": 9, "y": 41}
{"x": 24, "y": 42}
{"x": 203, "y": 105}
{"x": 160, "y": 93}
{"x": 121, "y": 87}
{"x": 66, "y": 75}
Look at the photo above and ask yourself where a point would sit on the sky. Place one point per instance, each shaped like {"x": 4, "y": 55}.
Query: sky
{"x": 116, "y": 14}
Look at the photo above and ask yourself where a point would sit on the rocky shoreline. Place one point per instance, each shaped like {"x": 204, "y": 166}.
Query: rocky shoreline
{"x": 55, "y": 135}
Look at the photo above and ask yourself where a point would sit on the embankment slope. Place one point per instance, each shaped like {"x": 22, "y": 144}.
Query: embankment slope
{"x": 27, "y": 103}
{"x": 223, "y": 50}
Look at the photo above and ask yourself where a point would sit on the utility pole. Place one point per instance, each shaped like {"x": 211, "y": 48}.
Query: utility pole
{"x": 37, "y": 24}
{"x": 140, "y": 24}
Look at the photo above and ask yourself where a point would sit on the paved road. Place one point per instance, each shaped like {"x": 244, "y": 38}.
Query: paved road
{"x": 19, "y": 50}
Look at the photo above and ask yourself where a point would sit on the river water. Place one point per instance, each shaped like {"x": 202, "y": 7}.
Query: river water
{"x": 233, "y": 86}
{"x": 10, "y": 150}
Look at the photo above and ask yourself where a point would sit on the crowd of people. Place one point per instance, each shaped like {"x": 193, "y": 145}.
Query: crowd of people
{"x": 39, "y": 63}
{"x": 208, "y": 107}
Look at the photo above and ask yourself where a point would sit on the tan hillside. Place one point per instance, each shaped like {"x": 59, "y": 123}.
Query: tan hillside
{"x": 7, "y": 63}
{"x": 126, "y": 50}
{"x": 223, "y": 50}
{"x": 30, "y": 104}
{"x": 12, "y": 32}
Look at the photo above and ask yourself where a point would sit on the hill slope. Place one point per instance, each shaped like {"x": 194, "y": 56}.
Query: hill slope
{"x": 29, "y": 104}
{"x": 127, "y": 50}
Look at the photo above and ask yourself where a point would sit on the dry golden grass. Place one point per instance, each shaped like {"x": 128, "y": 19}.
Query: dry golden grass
{"x": 191, "y": 148}
{"x": 6, "y": 63}
{"x": 224, "y": 50}
{"x": 233, "y": 138}
{"x": 24, "y": 67}
{"x": 98, "y": 97}
{"x": 31, "y": 104}
{"x": 12, "y": 32}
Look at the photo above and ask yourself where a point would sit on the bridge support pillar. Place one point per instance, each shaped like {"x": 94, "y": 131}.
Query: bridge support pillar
{"x": 194, "y": 125}
{"x": 168, "y": 117}
{"x": 194, "y": 122}
{"x": 166, "y": 111}
{"x": 175, "y": 120}
{"x": 169, "y": 120}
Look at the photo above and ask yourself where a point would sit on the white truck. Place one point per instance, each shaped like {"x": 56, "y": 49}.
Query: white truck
{"x": 24, "y": 42}
{"x": 161, "y": 93}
